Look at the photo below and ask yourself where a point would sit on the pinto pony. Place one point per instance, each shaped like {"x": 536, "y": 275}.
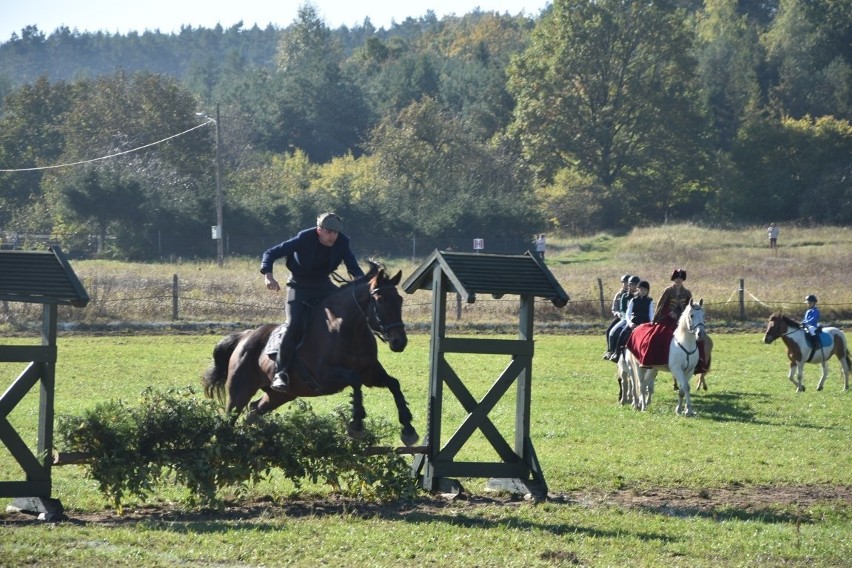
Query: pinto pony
{"x": 338, "y": 350}
{"x": 799, "y": 350}
{"x": 682, "y": 360}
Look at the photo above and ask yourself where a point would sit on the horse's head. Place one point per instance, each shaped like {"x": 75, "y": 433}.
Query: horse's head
{"x": 386, "y": 310}
{"x": 778, "y": 326}
{"x": 693, "y": 320}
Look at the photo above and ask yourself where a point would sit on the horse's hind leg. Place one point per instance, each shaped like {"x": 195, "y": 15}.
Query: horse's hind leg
{"x": 824, "y": 376}
{"x": 356, "y": 427}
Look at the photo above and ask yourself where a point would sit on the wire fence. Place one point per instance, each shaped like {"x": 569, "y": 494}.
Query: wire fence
{"x": 195, "y": 301}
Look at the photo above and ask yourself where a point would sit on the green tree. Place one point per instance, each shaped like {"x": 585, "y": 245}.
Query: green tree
{"x": 31, "y": 137}
{"x": 729, "y": 57}
{"x": 126, "y": 128}
{"x": 312, "y": 105}
{"x": 605, "y": 88}
{"x": 810, "y": 58}
{"x": 442, "y": 182}
{"x": 102, "y": 201}
{"x": 791, "y": 169}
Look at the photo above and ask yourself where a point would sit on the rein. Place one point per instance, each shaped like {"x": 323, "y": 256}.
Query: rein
{"x": 691, "y": 329}
{"x": 379, "y": 329}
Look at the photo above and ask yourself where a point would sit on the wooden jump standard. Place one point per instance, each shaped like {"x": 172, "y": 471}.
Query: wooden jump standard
{"x": 469, "y": 274}
{"x": 41, "y": 277}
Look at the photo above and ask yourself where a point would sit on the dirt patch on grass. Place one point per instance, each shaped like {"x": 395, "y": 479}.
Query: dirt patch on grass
{"x": 781, "y": 503}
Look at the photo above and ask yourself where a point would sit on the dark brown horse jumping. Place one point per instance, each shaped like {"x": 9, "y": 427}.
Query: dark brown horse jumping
{"x": 338, "y": 350}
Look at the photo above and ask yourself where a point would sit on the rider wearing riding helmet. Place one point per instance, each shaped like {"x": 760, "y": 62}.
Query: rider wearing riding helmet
{"x": 615, "y": 331}
{"x": 811, "y": 320}
{"x": 617, "y": 311}
{"x": 673, "y": 300}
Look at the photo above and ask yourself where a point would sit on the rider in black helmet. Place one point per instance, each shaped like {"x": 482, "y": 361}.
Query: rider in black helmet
{"x": 810, "y": 323}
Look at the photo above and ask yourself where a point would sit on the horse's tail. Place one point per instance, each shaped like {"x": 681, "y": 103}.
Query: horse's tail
{"x": 215, "y": 376}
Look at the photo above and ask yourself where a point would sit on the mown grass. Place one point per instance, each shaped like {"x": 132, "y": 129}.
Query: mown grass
{"x": 752, "y": 430}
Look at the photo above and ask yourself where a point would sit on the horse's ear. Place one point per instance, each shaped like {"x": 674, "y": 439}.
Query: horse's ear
{"x": 395, "y": 280}
{"x": 700, "y": 302}
{"x": 374, "y": 269}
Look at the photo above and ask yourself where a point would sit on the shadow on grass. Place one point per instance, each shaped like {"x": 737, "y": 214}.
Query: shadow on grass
{"x": 737, "y": 406}
{"x": 256, "y": 517}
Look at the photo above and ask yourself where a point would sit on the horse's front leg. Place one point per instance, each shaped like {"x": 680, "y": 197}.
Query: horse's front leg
{"x": 408, "y": 434}
{"x": 356, "y": 427}
{"x": 796, "y": 370}
{"x": 684, "y": 404}
{"x": 638, "y": 388}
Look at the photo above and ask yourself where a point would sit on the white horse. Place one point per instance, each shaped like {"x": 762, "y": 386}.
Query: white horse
{"x": 799, "y": 349}
{"x": 683, "y": 358}
{"x": 625, "y": 384}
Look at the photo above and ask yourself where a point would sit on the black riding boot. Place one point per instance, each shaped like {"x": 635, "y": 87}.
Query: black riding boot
{"x": 282, "y": 361}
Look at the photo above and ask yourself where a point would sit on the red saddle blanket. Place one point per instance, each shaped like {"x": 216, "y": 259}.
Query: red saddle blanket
{"x": 650, "y": 343}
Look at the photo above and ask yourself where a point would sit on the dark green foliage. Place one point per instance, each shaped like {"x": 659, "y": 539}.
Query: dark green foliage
{"x": 179, "y": 437}
{"x": 615, "y": 113}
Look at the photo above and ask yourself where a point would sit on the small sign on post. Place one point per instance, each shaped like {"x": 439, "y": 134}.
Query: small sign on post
{"x": 215, "y": 232}
{"x": 478, "y": 244}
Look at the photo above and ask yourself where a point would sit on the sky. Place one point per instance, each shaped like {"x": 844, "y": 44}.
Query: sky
{"x": 122, "y": 16}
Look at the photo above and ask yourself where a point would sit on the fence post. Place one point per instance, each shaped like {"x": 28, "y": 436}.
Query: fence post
{"x": 603, "y": 305}
{"x": 742, "y": 300}
{"x": 175, "y": 297}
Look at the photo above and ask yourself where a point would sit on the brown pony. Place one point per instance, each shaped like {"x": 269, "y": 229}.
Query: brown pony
{"x": 338, "y": 350}
{"x": 799, "y": 350}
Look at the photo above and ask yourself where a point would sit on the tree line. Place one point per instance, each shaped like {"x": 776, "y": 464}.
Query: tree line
{"x": 594, "y": 115}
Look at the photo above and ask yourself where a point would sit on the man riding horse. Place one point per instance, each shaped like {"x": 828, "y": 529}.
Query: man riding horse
{"x": 312, "y": 255}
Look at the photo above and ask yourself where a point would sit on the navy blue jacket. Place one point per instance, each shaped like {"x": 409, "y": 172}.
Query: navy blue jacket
{"x": 309, "y": 261}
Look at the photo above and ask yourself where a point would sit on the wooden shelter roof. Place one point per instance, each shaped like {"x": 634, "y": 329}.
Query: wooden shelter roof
{"x": 40, "y": 277}
{"x": 496, "y": 274}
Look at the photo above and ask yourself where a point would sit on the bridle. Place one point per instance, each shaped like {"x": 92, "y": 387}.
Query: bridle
{"x": 692, "y": 329}
{"x": 374, "y": 321}
{"x": 789, "y": 330}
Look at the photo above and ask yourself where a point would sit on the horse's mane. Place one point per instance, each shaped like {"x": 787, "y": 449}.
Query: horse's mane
{"x": 375, "y": 273}
{"x": 788, "y": 320}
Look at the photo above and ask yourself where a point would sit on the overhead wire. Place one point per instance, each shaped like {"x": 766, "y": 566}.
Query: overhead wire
{"x": 108, "y": 156}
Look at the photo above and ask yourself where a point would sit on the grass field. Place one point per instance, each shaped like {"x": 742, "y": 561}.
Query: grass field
{"x": 760, "y": 477}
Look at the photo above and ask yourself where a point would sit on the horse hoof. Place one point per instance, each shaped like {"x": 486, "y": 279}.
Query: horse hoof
{"x": 409, "y": 437}
{"x": 355, "y": 432}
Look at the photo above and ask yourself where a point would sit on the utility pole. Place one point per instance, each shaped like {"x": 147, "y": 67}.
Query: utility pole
{"x": 220, "y": 232}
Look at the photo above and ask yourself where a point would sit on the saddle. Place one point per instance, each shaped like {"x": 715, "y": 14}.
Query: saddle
{"x": 818, "y": 341}
{"x": 650, "y": 343}
{"x": 274, "y": 341}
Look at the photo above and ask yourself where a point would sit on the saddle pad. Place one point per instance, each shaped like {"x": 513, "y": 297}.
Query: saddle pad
{"x": 274, "y": 341}
{"x": 650, "y": 343}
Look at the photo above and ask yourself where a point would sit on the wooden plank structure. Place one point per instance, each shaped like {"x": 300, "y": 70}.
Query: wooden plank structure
{"x": 41, "y": 277}
{"x": 469, "y": 274}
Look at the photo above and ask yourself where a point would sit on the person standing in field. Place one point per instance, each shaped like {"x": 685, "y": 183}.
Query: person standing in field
{"x": 773, "y": 231}
{"x": 540, "y": 245}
